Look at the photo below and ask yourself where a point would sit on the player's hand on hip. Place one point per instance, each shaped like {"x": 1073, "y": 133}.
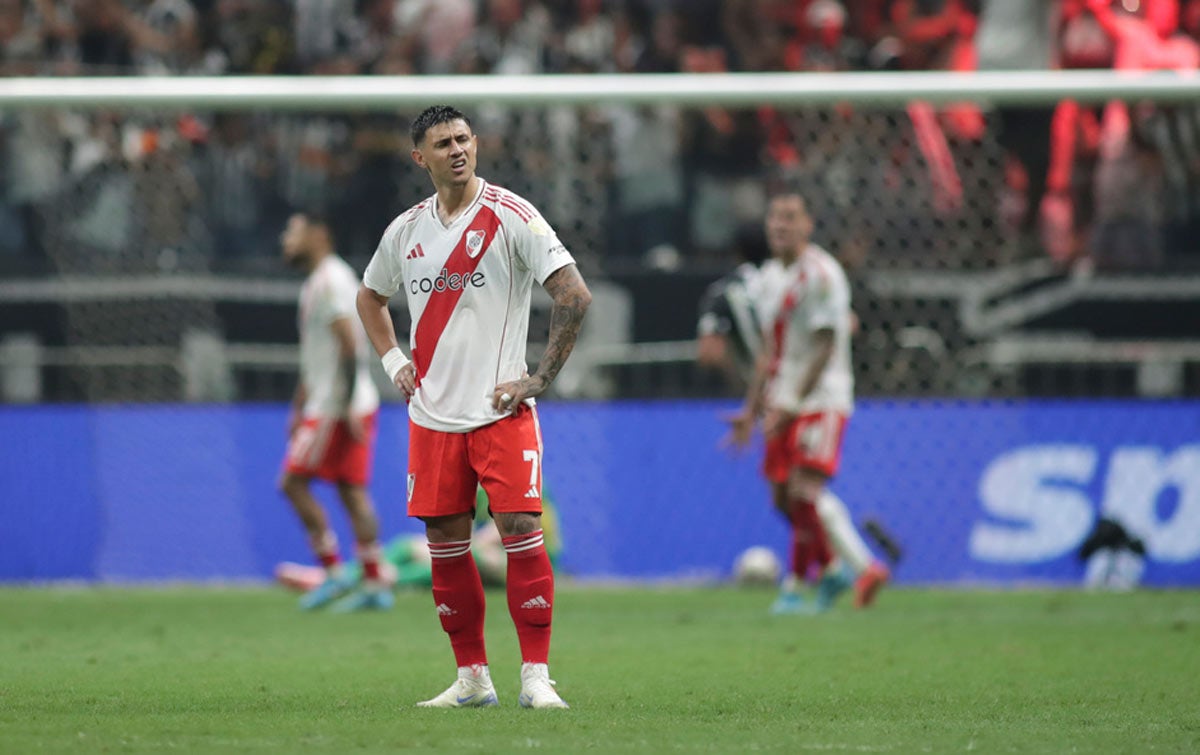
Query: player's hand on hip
{"x": 507, "y": 396}
{"x": 406, "y": 380}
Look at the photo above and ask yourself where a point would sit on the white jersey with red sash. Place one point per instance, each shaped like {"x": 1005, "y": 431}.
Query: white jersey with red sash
{"x": 817, "y": 298}
{"x": 468, "y": 287}
{"x": 327, "y": 296}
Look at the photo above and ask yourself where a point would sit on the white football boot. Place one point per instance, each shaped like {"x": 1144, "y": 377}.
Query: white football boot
{"x": 537, "y": 689}
{"x": 472, "y": 689}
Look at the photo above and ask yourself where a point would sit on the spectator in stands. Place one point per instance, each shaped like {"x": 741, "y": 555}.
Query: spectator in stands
{"x": 757, "y": 34}
{"x": 441, "y": 30}
{"x": 324, "y": 32}
{"x": 722, "y": 161}
{"x": 590, "y": 39}
{"x": 664, "y": 46}
{"x": 313, "y": 160}
{"x": 96, "y": 224}
{"x": 231, "y": 169}
{"x": 103, "y": 38}
{"x": 377, "y": 163}
{"x": 32, "y": 169}
{"x": 1174, "y": 132}
{"x": 648, "y": 183}
{"x": 375, "y": 32}
{"x": 1129, "y": 178}
{"x": 939, "y": 34}
{"x": 1066, "y": 210}
{"x": 1129, "y": 203}
{"x": 935, "y": 34}
{"x": 165, "y": 193}
{"x": 1018, "y": 35}
{"x": 513, "y": 37}
{"x": 628, "y": 41}
{"x": 166, "y": 35}
{"x": 827, "y": 46}
{"x": 19, "y": 39}
{"x": 252, "y": 36}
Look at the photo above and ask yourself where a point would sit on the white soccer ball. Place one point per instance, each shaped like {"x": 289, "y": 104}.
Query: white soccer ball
{"x": 757, "y": 565}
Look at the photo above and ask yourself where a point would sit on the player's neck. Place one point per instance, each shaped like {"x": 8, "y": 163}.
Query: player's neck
{"x": 453, "y": 199}
{"x": 799, "y": 253}
{"x": 315, "y": 260}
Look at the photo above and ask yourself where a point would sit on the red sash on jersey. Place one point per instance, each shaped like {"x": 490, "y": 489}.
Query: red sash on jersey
{"x": 441, "y": 304}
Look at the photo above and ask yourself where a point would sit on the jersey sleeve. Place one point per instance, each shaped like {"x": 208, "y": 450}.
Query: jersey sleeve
{"x": 385, "y": 274}
{"x": 537, "y": 246}
{"x": 715, "y": 315}
{"x": 830, "y": 296}
{"x": 342, "y": 292}
{"x": 333, "y": 299}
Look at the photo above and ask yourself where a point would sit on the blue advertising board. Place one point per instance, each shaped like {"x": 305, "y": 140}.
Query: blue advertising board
{"x": 996, "y": 493}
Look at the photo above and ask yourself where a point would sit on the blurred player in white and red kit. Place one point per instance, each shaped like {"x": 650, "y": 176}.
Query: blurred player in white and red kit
{"x": 467, "y": 259}
{"x": 331, "y": 430}
{"x": 804, "y": 389}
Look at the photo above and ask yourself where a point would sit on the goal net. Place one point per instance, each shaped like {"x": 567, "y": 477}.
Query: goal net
{"x": 144, "y": 215}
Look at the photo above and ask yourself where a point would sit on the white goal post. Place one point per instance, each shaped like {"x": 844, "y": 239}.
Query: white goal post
{"x": 386, "y": 92}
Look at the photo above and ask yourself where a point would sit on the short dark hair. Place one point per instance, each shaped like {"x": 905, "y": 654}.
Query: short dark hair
{"x": 787, "y": 187}
{"x": 432, "y": 116}
{"x": 314, "y": 216}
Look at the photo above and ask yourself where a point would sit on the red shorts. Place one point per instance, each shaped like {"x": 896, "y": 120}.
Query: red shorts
{"x": 323, "y": 448}
{"x": 810, "y": 441}
{"x": 505, "y": 457}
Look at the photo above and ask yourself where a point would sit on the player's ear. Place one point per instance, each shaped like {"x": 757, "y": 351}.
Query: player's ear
{"x": 419, "y": 159}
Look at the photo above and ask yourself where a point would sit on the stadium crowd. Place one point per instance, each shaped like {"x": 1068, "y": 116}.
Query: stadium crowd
{"x": 1119, "y": 185}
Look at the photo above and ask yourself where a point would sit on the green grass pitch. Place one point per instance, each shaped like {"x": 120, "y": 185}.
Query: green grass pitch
{"x": 645, "y": 670}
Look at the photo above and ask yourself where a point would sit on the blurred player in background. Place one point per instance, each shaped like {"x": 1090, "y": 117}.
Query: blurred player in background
{"x": 467, "y": 259}
{"x": 804, "y": 386}
{"x": 331, "y": 428}
{"x": 729, "y": 330}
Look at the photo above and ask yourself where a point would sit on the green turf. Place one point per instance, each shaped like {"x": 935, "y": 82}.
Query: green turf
{"x": 205, "y": 670}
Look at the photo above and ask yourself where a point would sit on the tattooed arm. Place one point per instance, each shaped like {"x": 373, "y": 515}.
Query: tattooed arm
{"x": 571, "y": 299}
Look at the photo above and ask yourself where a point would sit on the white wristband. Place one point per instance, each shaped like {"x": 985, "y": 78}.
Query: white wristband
{"x": 393, "y": 362}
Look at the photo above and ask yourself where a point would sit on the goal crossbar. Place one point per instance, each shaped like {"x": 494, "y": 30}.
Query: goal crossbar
{"x": 746, "y": 89}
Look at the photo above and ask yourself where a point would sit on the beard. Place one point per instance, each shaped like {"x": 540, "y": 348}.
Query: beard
{"x": 301, "y": 261}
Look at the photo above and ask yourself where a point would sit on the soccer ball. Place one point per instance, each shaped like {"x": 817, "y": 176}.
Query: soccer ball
{"x": 757, "y": 565}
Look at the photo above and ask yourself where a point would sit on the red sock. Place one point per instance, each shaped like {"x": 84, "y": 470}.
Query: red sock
{"x": 530, "y": 594}
{"x": 325, "y": 547}
{"x": 801, "y": 552}
{"x": 809, "y": 542}
{"x": 370, "y": 554}
{"x": 822, "y": 550}
{"x": 458, "y": 595}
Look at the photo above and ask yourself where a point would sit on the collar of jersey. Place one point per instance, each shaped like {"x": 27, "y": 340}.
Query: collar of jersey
{"x": 433, "y": 207}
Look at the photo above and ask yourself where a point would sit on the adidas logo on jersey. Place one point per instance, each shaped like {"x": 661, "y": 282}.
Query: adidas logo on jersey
{"x": 445, "y": 610}
{"x": 538, "y": 602}
{"x": 415, "y": 252}
{"x": 533, "y": 493}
